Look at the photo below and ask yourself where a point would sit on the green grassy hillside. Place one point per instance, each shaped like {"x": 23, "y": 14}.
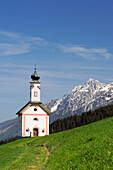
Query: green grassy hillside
{"x": 86, "y": 147}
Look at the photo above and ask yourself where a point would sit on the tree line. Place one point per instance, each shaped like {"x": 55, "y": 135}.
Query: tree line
{"x": 8, "y": 140}
{"x": 80, "y": 120}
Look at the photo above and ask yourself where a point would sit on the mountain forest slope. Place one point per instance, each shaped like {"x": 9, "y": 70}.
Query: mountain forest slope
{"x": 90, "y": 96}
{"x": 86, "y": 147}
{"x": 82, "y": 98}
{"x": 9, "y": 129}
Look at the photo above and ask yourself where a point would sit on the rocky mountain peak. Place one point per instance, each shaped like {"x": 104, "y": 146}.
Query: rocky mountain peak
{"x": 92, "y": 83}
{"x": 93, "y": 94}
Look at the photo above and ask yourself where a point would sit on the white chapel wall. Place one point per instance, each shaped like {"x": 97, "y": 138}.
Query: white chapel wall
{"x": 28, "y": 122}
{"x": 20, "y": 126}
{"x": 35, "y": 93}
{"x": 31, "y": 110}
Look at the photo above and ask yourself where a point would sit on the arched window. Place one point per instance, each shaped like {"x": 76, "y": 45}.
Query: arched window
{"x": 35, "y": 119}
{"x": 35, "y": 94}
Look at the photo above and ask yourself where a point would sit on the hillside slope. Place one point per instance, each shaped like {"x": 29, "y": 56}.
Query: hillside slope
{"x": 90, "y": 96}
{"x": 9, "y": 129}
{"x": 86, "y": 147}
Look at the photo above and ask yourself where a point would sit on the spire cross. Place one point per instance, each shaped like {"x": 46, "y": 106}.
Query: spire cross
{"x": 35, "y": 67}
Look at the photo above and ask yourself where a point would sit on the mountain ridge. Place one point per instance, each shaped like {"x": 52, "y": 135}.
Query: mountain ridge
{"x": 9, "y": 129}
{"x": 90, "y": 96}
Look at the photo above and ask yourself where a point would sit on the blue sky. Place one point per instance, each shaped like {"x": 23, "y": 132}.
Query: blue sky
{"x": 70, "y": 41}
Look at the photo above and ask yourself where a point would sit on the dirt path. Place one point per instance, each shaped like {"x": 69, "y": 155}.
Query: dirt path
{"x": 48, "y": 153}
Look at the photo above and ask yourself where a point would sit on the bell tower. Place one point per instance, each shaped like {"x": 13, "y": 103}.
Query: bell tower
{"x": 35, "y": 87}
{"x": 33, "y": 118}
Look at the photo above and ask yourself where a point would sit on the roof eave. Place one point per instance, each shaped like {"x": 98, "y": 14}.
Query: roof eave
{"x": 33, "y": 103}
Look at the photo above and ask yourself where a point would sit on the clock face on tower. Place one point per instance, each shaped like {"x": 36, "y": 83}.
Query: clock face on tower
{"x": 35, "y": 94}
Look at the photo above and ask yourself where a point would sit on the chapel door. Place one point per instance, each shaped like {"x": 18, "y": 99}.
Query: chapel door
{"x": 35, "y": 132}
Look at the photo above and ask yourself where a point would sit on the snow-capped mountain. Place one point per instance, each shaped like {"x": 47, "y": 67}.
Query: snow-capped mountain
{"x": 90, "y": 96}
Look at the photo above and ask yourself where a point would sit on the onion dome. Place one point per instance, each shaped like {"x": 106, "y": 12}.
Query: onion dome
{"x": 35, "y": 76}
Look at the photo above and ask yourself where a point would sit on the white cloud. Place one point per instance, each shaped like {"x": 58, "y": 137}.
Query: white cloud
{"x": 15, "y": 43}
{"x": 13, "y": 49}
{"x": 88, "y": 53}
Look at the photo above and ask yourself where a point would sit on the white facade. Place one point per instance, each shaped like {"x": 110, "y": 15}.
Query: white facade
{"x": 20, "y": 126}
{"x": 34, "y": 116}
{"x": 35, "y": 92}
{"x": 32, "y": 119}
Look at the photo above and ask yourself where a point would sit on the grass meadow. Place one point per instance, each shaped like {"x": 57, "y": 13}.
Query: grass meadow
{"x": 86, "y": 147}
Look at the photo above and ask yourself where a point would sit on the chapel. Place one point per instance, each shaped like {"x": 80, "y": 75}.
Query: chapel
{"x": 33, "y": 118}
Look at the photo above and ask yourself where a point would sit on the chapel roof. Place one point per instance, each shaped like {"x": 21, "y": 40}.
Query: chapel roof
{"x": 33, "y": 103}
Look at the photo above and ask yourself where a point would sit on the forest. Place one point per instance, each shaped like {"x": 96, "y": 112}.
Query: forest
{"x": 8, "y": 140}
{"x": 80, "y": 120}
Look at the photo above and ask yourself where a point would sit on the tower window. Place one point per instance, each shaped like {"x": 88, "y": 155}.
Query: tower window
{"x": 35, "y": 94}
{"x": 35, "y": 119}
{"x": 35, "y": 109}
{"x": 43, "y": 131}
